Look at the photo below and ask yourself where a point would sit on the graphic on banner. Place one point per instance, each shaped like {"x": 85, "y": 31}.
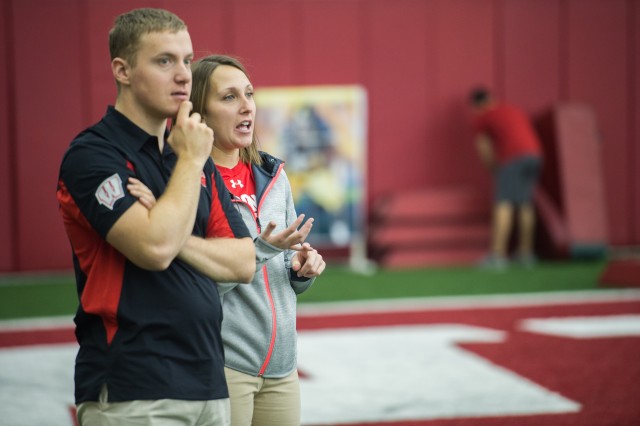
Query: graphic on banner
{"x": 321, "y": 134}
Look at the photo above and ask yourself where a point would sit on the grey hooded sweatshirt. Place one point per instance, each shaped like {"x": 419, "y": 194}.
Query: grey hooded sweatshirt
{"x": 259, "y": 319}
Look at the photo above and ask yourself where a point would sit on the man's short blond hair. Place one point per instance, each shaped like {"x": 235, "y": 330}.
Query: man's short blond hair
{"x": 128, "y": 28}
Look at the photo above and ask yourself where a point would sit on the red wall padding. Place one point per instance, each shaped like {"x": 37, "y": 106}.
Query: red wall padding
{"x": 48, "y": 107}
{"x": 573, "y": 178}
{"x": 598, "y": 73}
{"x": 7, "y": 261}
{"x": 417, "y": 60}
{"x": 633, "y": 142}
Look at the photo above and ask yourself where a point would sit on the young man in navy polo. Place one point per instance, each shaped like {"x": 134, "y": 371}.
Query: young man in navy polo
{"x": 148, "y": 323}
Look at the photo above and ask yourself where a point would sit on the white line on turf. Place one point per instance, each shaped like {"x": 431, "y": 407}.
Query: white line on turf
{"x": 402, "y": 304}
{"x": 467, "y": 302}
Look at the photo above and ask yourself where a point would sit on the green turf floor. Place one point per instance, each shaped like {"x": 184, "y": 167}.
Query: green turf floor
{"x": 343, "y": 284}
{"x": 51, "y": 295}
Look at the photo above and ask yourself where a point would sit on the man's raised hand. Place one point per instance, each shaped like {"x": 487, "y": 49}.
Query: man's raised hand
{"x": 190, "y": 136}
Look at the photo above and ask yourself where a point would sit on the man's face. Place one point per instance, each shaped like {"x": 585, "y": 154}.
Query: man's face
{"x": 161, "y": 77}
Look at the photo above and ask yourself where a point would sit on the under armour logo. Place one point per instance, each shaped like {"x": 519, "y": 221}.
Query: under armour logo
{"x": 235, "y": 183}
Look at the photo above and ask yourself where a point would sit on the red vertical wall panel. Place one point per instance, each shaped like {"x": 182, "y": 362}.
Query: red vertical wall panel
{"x": 7, "y": 149}
{"x": 597, "y": 70}
{"x": 464, "y": 52}
{"x": 264, "y": 37}
{"x": 634, "y": 115}
{"x": 531, "y": 43}
{"x": 331, "y": 43}
{"x": 48, "y": 109}
{"x": 580, "y": 174}
{"x": 399, "y": 82}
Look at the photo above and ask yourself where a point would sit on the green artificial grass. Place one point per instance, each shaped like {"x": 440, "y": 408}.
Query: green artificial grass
{"x": 37, "y": 296}
{"x": 343, "y": 284}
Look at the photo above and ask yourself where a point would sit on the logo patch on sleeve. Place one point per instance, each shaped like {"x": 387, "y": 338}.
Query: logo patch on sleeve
{"x": 110, "y": 191}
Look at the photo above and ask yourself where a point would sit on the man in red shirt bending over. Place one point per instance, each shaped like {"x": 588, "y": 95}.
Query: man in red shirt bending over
{"x": 510, "y": 148}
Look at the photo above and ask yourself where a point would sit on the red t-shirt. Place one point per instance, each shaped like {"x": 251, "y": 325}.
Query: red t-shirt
{"x": 239, "y": 180}
{"x": 510, "y": 130}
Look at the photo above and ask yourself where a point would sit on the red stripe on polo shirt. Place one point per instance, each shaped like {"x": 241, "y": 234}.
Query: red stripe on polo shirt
{"x": 99, "y": 261}
{"x": 101, "y": 294}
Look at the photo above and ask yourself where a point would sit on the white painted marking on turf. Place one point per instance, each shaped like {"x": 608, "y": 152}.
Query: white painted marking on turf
{"x": 411, "y": 373}
{"x": 468, "y": 302}
{"x": 585, "y": 327}
{"x": 36, "y": 385}
{"x": 402, "y": 304}
{"x": 42, "y": 323}
{"x": 396, "y": 363}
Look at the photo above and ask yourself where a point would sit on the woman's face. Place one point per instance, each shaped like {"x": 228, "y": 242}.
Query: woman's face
{"x": 230, "y": 108}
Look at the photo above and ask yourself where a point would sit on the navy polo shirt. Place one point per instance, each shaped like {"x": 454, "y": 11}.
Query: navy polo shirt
{"x": 145, "y": 334}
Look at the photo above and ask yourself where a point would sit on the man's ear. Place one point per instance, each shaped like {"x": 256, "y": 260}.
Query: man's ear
{"x": 121, "y": 70}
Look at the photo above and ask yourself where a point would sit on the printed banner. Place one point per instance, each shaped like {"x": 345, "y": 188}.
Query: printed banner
{"x": 320, "y": 131}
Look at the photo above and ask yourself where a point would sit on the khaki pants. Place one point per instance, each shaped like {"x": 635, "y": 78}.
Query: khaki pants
{"x": 161, "y": 412}
{"x": 256, "y": 401}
